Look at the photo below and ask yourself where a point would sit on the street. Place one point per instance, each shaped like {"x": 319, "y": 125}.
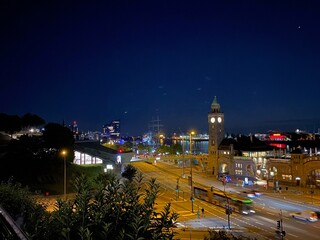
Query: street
{"x": 270, "y": 207}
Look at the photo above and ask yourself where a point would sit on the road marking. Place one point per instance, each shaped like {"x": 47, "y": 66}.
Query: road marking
{"x": 300, "y": 221}
{"x": 271, "y": 213}
{"x": 187, "y": 215}
{"x": 180, "y": 225}
{"x": 259, "y": 223}
{"x": 292, "y": 235}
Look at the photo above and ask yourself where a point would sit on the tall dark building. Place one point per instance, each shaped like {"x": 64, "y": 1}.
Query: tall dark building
{"x": 74, "y": 129}
{"x": 112, "y": 129}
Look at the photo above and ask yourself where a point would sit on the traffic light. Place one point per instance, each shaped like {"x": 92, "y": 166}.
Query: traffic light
{"x": 279, "y": 224}
{"x": 228, "y": 210}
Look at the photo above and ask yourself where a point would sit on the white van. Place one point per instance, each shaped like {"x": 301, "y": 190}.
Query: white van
{"x": 306, "y": 215}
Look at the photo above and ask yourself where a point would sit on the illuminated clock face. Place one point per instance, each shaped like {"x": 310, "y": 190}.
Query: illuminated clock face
{"x": 219, "y": 119}
{"x": 212, "y": 119}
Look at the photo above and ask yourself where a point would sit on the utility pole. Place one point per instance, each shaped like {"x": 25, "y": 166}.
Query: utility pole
{"x": 228, "y": 209}
{"x": 177, "y": 188}
{"x": 191, "y": 193}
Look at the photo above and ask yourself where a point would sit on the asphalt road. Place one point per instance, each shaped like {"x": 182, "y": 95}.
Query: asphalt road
{"x": 270, "y": 207}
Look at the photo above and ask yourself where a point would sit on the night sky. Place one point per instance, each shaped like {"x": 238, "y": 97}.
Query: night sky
{"x": 139, "y": 60}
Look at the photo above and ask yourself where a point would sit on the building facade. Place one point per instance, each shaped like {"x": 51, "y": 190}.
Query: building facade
{"x": 300, "y": 170}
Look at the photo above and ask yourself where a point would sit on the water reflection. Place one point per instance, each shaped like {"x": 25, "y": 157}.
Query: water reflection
{"x": 198, "y": 147}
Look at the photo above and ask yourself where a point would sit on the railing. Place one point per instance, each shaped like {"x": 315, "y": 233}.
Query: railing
{"x": 311, "y": 158}
{"x": 283, "y": 160}
{"x": 10, "y": 226}
{"x": 242, "y": 158}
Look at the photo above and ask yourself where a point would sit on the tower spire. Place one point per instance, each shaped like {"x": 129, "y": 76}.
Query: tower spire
{"x": 215, "y": 106}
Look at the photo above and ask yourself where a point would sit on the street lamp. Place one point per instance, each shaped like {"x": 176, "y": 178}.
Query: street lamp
{"x": 191, "y": 133}
{"x": 191, "y": 193}
{"x": 64, "y": 154}
{"x": 183, "y": 160}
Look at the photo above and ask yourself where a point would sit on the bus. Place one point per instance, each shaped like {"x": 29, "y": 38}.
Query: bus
{"x": 236, "y": 203}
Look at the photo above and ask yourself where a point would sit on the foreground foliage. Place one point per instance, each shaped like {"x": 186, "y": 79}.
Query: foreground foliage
{"x": 224, "y": 235}
{"x": 116, "y": 209}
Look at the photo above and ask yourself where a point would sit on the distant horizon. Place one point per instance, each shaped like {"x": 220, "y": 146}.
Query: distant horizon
{"x": 306, "y": 125}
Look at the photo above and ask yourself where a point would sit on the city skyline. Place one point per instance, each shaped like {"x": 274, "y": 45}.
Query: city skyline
{"x": 96, "y": 62}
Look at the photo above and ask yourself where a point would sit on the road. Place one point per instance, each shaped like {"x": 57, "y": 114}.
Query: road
{"x": 261, "y": 225}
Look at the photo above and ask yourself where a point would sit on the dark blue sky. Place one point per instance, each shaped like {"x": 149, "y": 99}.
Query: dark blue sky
{"x": 136, "y": 60}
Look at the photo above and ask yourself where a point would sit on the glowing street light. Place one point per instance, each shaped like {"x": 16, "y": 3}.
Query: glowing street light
{"x": 64, "y": 154}
{"x": 191, "y": 133}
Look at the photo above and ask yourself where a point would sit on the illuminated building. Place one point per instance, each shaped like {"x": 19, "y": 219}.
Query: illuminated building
{"x": 112, "y": 130}
{"x": 239, "y": 157}
{"x": 276, "y": 159}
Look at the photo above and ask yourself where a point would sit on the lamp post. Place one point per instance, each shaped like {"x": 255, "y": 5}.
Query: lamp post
{"x": 191, "y": 184}
{"x": 183, "y": 160}
{"x": 64, "y": 153}
{"x": 191, "y": 133}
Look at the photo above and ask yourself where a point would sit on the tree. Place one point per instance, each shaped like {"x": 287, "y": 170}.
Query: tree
{"x": 10, "y": 123}
{"x": 31, "y": 120}
{"x": 164, "y": 149}
{"x": 142, "y": 147}
{"x": 129, "y": 172}
{"x": 20, "y": 204}
{"x": 114, "y": 210}
{"x": 57, "y": 136}
{"x": 176, "y": 148}
{"x": 173, "y": 149}
{"x": 224, "y": 235}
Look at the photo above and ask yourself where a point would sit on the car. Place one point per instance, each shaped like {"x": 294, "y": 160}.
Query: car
{"x": 249, "y": 194}
{"x": 252, "y": 193}
{"x": 257, "y": 193}
{"x": 306, "y": 215}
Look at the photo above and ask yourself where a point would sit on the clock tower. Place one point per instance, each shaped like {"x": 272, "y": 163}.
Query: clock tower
{"x": 216, "y": 135}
